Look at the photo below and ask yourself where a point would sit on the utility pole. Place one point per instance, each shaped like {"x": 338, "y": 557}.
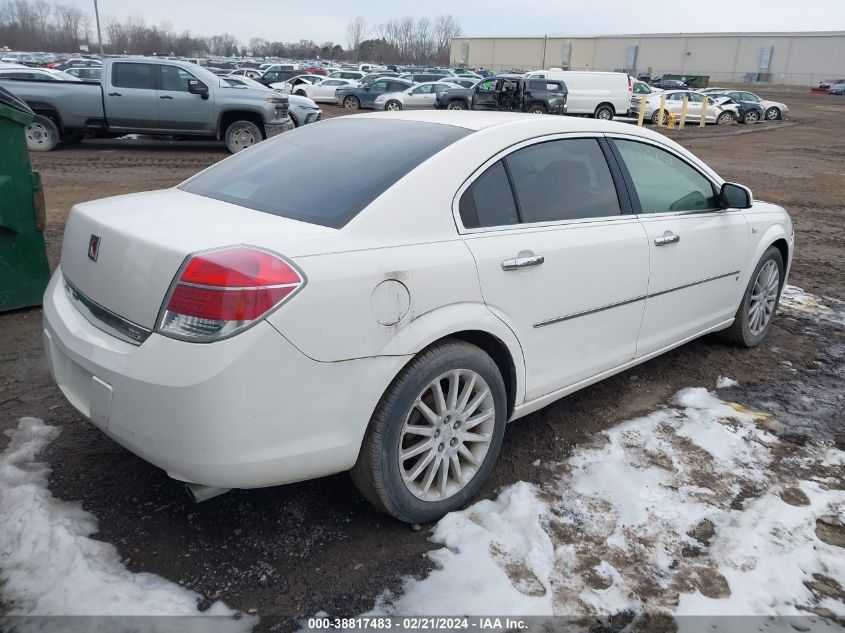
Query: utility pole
{"x": 545, "y": 44}
{"x": 99, "y": 33}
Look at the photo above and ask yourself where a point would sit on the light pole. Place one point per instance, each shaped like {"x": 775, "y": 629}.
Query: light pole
{"x": 99, "y": 33}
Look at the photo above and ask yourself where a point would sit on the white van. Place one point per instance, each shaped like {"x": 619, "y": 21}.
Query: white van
{"x": 601, "y": 95}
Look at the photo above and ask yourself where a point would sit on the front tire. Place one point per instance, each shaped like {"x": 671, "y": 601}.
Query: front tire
{"x": 42, "y": 135}
{"x": 726, "y": 118}
{"x": 751, "y": 117}
{"x": 435, "y": 435}
{"x": 300, "y": 93}
{"x": 242, "y": 135}
{"x": 772, "y": 114}
{"x": 352, "y": 103}
{"x": 457, "y": 104}
{"x": 756, "y": 312}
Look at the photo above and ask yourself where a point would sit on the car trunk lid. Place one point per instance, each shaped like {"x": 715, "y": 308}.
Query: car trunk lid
{"x": 123, "y": 253}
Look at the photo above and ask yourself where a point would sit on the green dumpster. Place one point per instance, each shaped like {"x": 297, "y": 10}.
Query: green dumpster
{"x": 24, "y": 270}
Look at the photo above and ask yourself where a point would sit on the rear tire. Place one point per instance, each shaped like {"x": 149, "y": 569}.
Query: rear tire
{"x": 604, "y": 112}
{"x": 537, "y": 108}
{"x": 392, "y": 106}
{"x": 436, "y": 440}
{"x": 655, "y": 117}
{"x": 760, "y": 298}
{"x": 42, "y": 135}
{"x": 242, "y": 135}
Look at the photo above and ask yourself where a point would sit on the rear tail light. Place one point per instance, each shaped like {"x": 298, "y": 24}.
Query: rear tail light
{"x": 630, "y": 84}
{"x": 219, "y": 293}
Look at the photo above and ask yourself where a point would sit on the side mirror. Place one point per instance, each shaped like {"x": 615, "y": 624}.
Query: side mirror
{"x": 733, "y": 196}
{"x": 196, "y": 87}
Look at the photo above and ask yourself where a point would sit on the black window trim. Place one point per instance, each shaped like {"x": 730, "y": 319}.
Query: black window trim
{"x": 625, "y": 201}
{"x": 636, "y": 207}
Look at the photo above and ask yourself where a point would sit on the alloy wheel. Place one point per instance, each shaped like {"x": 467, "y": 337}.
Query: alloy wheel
{"x": 764, "y": 295}
{"x": 446, "y": 435}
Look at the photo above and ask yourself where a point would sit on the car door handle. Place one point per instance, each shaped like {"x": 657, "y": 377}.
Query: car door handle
{"x": 115, "y": 94}
{"x": 165, "y": 97}
{"x": 667, "y": 238}
{"x": 522, "y": 262}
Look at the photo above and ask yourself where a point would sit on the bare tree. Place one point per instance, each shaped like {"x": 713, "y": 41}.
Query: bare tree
{"x": 356, "y": 31}
{"x": 446, "y": 28}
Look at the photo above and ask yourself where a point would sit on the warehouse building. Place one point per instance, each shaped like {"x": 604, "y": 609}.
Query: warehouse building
{"x": 802, "y": 59}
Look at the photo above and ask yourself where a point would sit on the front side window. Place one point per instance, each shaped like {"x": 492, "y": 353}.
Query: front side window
{"x": 489, "y": 84}
{"x": 141, "y": 76}
{"x": 663, "y": 182}
{"x": 378, "y": 85}
{"x": 174, "y": 78}
{"x": 489, "y": 200}
{"x": 563, "y": 180}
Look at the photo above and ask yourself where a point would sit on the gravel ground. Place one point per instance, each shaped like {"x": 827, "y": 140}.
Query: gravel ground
{"x": 295, "y": 550}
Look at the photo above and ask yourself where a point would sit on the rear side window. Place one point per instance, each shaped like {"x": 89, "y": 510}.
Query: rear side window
{"x": 563, "y": 180}
{"x": 489, "y": 200}
{"x": 664, "y": 182}
{"x": 134, "y": 76}
{"x": 294, "y": 176}
{"x": 551, "y": 86}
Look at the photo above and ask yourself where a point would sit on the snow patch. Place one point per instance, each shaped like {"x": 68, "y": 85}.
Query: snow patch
{"x": 49, "y": 565}
{"x": 797, "y": 302}
{"x": 723, "y": 382}
{"x": 692, "y": 509}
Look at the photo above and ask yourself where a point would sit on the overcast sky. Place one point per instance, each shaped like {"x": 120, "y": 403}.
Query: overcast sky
{"x": 323, "y": 20}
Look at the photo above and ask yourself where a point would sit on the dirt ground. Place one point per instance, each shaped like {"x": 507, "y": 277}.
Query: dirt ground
{"x": 294, "y": 550}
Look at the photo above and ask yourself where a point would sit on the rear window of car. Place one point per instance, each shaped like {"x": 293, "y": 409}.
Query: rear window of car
{"x": 314, "y": 174}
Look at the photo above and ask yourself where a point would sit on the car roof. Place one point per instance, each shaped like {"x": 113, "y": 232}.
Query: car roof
{"x": 477, "y": 120}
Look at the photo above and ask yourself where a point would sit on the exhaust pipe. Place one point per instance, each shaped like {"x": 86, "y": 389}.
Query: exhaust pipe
{"x": 199, "y": 493}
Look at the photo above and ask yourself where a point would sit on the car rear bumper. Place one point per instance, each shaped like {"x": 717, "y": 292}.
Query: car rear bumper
{"x": 245, "y": 412}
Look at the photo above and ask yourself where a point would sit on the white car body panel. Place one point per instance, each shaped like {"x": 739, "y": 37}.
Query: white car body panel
{"x": 291, "y": 397}
{"x": 325, "y": 91}
{"x": 588, "y": 90}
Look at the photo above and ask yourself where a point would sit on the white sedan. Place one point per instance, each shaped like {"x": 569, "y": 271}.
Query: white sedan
{"x": 713, "y": 112}
{"x": 252, "y": 326}
{"x": 417, "y": 97}
{"x": 324, "y": 91}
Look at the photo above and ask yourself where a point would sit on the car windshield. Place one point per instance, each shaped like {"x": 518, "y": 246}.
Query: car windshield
{"x": 278, "y": 176}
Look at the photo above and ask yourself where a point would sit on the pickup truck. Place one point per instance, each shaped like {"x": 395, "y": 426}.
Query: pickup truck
{"x": 150, "y": 96}
{"x": 509, "y": 93}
